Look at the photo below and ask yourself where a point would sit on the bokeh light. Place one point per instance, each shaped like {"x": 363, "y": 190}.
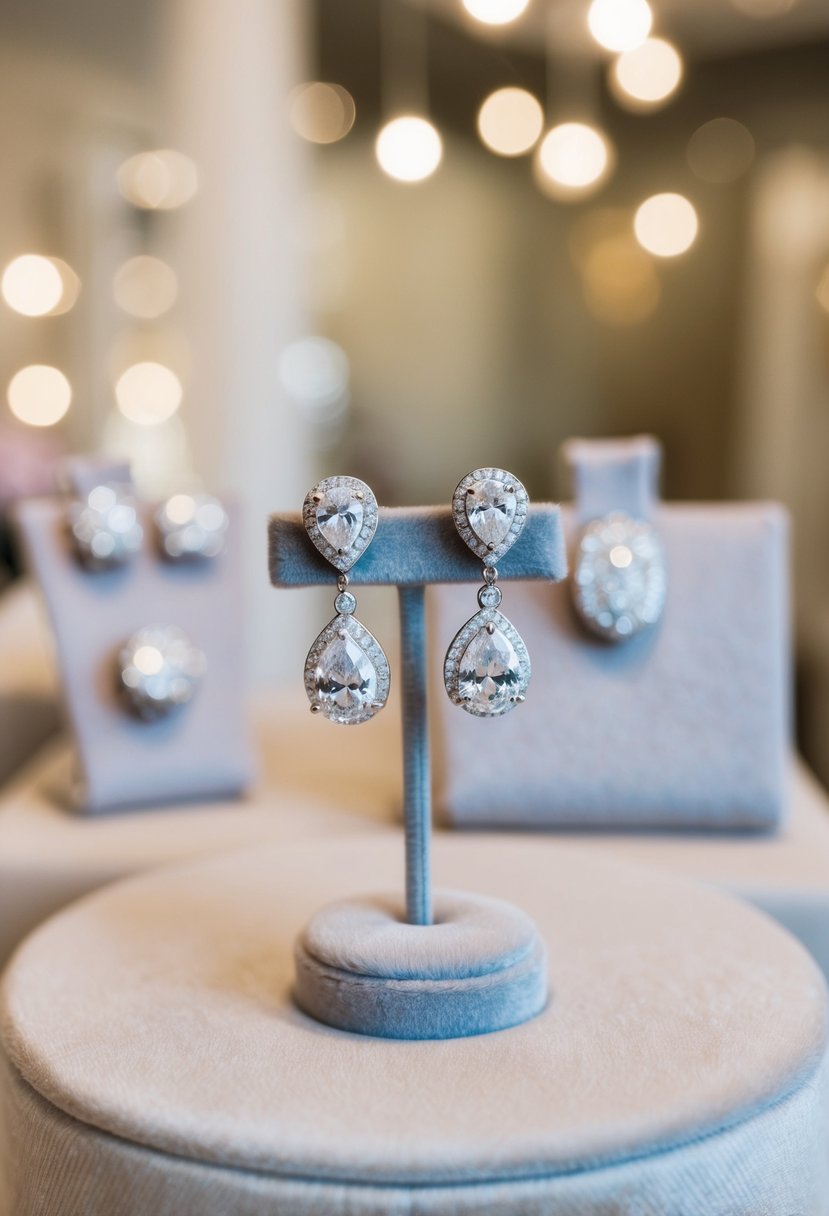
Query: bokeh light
{"x": 320, "y": 112}
{"x": 148, "y": 393}
{"x": 721, "y": 150}
{"x": 314, "y": 371}
{"x": 158, "y": 181}
{"x": 572, "y": 160}
{"x": 38, "y": 286}
{"x": 619, "y": 25}
{"x": 409, "y": 148}
{"x": 145, "y": 287}
{"x": 495, "y": 12}
{"x": 39, "y": 395}
{"x": 646, "y": 77}
{"x": 619, "y": 282}
{"x": 510, "y": 121}
{"x": 666, "y": 225}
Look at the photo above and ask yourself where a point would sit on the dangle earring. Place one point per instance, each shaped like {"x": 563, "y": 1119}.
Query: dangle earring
{"x": 346, "y": 671}
{"x": 487, "y": 668}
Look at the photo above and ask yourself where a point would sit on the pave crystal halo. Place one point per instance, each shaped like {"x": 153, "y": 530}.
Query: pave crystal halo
{"x": 619, "y": 576}
{"x": 487, "y": 668}
{"x": 347, "y": 674}
{"x": 105, "y": 526}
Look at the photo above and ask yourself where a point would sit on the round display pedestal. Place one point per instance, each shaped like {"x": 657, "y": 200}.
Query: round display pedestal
{"x": 480, "y": 966}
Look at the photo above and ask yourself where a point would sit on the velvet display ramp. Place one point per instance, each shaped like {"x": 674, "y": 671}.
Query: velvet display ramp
{"x": 683, "y": 726}
{"x": 156, "y": 1062}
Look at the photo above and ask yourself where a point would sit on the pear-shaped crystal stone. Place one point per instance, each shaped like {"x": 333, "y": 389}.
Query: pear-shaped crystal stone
{"x": 345, "y": 680}
{"x": 489, "y": 673}
{"x": 339, "y": 517}
{"x": 490, "y": 509}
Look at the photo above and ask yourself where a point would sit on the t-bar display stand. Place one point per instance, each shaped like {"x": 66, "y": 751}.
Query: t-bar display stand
{"x": 469, "y": 964}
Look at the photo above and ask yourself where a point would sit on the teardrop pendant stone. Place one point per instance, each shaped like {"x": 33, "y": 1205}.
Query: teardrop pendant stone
{"x": 345, "y": 681}
{"x": 489, "y": 675}
{"x": 490, "y": 509}
{"x": 340, "y": 517}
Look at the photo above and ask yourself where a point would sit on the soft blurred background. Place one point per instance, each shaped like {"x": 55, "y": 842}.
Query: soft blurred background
{"x": 249, "y": 242}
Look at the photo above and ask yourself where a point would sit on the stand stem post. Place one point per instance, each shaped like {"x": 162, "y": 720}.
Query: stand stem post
{"x": 417, "y": 785}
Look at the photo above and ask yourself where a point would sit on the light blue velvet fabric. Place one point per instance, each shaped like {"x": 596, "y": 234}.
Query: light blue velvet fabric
{"x": 414, "y": 546}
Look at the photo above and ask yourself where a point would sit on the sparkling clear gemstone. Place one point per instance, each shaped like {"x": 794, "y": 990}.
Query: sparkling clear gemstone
{"x": 620, "y": 577}
{"x": 490, "y": 509}
{"x": 489, "y": 673}
{"x": 340, "y": 517}
{"x": 345, "y": 679}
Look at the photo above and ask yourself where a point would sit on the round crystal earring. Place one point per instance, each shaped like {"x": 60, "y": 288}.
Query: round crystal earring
{"x": 346, "y": 672}
{"x": 487, "y": 668}
{"x": 159, "y": 670}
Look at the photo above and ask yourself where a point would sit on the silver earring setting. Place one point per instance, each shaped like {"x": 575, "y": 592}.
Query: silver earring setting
{"x": 487, "y": 668}
{"x": 619, "y": 576}
{"x": 346, "y": 672}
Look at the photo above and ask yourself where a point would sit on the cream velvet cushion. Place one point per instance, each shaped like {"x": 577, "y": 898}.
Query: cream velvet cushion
{"x": 157, "y": 1063}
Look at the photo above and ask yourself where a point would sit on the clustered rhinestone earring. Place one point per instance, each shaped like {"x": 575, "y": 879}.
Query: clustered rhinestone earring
{"x": 487, "y": 668}
{"x": 619, "y": 576}
{"x": 346, "y": 671}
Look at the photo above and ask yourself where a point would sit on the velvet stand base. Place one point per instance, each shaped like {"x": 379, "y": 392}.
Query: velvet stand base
{"x": 480, "y": 967}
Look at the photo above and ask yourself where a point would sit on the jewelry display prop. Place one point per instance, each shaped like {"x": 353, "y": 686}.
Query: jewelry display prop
{"x": 149, "y": 649}
{"x": 462, "y": 964}
{"x": 683, "y": 723}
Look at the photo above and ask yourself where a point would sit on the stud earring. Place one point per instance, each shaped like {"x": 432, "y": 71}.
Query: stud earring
{"x": 191, "y": 527}
{"x": 487, "y": 668}
{"x": 159, "y": 670}
{"x": 105, "y": 529}
{"x": 346, "y": 672}
{"x": 619, "y": 576}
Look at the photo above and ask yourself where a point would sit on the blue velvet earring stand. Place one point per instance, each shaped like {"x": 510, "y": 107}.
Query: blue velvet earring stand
{"x": 462, "y": 964}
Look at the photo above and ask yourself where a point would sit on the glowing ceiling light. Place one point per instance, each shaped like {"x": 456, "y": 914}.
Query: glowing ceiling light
{"x": 39, "y": 395}
{"x": 620, "y": 25}
{"x": 495, "y": 12}
{"x": 158, "y": 181}
{"x": 647, "y": 76}
{"x": 321, "y": 113}
{"x": 572, "y": 160}
{"x": 409, "y": 148}
{"x": 148, "y": 393}
{"x": 145, "y": 287}
{"x": 666, "y": 225}
{"x": 720, "y": 150}
{"x": 510, "y": 121}
{"x": 33, "y": 285}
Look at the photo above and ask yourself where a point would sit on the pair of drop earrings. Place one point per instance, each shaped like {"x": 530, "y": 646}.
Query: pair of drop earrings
{"x": 487, "y": 668}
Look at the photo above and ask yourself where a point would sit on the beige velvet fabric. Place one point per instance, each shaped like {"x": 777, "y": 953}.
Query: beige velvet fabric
{"x": 28, "y": 686}
{"x": 158, "y": 1012}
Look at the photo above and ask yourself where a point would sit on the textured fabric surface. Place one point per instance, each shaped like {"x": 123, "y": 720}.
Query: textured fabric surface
{"x": 683, "y": 726}
{"x": 480, "y": 967}
{"x": 28, "y": 687}
{"x": 159, "y": 1011}
{"x": 417, "y": 545}
{"x": 201, "y": 752}
{"x": 51, "y": 1165}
